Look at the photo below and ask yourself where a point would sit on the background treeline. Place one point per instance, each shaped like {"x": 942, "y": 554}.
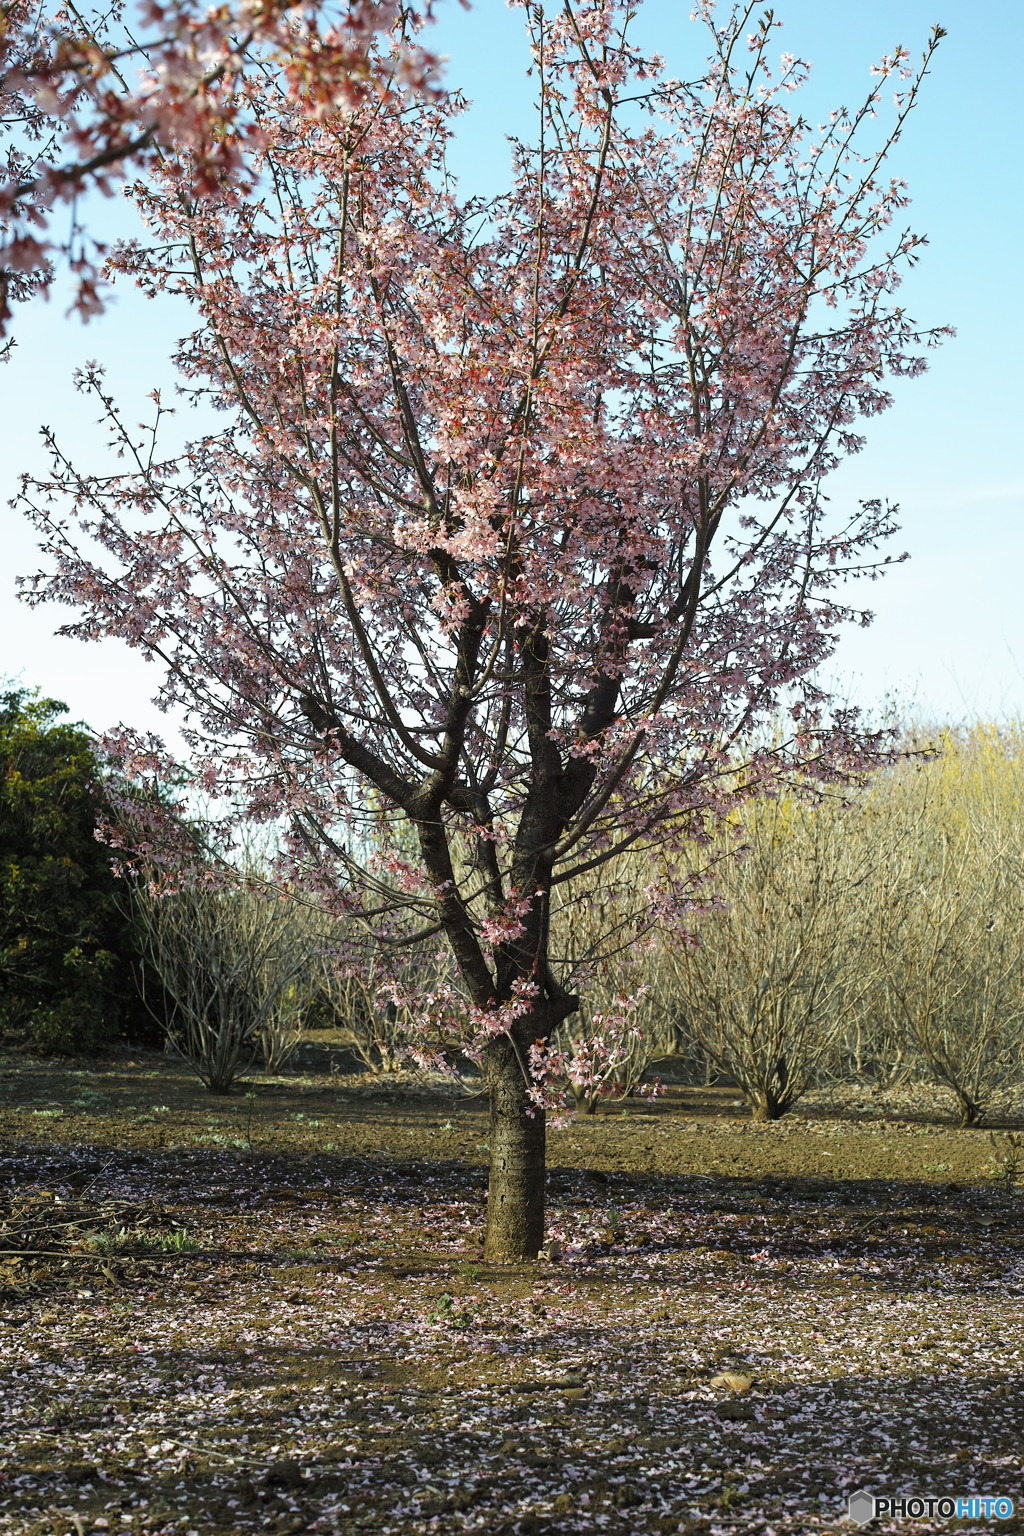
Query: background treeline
{"x": 873, "y": 936}
{"x": 876, "y": 937}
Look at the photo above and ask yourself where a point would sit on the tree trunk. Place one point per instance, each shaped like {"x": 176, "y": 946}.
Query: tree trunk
{"x": 766, "y": 1105}
{"x": 770, "y": 1099}
{"x": 515, "y": 1197}
{"x": 970, "y": 1112}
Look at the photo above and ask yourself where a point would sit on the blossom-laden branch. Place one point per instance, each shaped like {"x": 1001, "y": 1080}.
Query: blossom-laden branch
{"x": 75, "y": 120}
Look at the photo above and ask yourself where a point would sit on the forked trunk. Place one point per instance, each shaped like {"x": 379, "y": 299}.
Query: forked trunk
{"x": 770, "y": 1098}
{"x": 766, "y": 1105}
{"x": 515, "y": 1198}
{"x": 971, "y": 1113}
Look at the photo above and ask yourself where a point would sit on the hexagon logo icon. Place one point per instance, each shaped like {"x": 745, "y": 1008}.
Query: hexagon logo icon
{"x": 861, "y": 1507}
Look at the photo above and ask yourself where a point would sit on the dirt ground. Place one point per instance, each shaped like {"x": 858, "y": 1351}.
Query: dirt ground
{"x": 269, "y": 1312}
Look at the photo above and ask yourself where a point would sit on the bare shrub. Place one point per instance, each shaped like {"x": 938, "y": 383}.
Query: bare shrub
{"x": 374, "y": 1029}
{"x": 954, "y": 956}
{"x": 283, "y": 1030}
{"x": 355, "y": 984}
{"x": 633, "y": 1034}
{"x": 235, "y": 967}
{"x": 623, "y": 1025}
{"x": 776, "y": 975}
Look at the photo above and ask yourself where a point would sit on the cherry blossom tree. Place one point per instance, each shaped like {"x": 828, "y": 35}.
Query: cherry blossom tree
{"x": 75, "y": 112}
{"x": 513, "y": 549}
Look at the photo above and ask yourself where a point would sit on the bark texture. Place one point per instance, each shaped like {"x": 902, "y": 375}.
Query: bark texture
{"x": 515, "y": 1198}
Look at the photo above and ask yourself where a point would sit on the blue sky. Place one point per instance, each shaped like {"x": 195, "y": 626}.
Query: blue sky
{"x": 949, "y": 635}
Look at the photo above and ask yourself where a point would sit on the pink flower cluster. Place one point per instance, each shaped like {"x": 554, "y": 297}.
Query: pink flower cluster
{"x": 75, "y": 122}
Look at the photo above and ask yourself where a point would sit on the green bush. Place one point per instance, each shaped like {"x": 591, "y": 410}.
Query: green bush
{"x": 66, "y": 954}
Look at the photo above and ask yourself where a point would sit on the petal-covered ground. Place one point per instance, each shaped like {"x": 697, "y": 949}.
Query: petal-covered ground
{"x": 256, "y": 1334}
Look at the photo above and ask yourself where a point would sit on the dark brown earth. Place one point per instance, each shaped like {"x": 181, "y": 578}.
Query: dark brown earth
{"x": 269, "y": 1313}
{"x": 154, "y": 1102}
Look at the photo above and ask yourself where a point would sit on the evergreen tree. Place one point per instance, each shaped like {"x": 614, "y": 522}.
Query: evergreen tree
{"x": 66, "y": 978}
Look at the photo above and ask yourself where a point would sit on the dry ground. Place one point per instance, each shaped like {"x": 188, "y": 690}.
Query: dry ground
{"x": 269, "y": 1313}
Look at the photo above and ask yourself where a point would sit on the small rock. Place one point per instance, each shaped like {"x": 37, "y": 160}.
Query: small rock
{"x": 734, "y": 1380}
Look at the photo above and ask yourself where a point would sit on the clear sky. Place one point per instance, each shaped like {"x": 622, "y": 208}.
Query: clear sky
{"x": 949, "y": 633}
